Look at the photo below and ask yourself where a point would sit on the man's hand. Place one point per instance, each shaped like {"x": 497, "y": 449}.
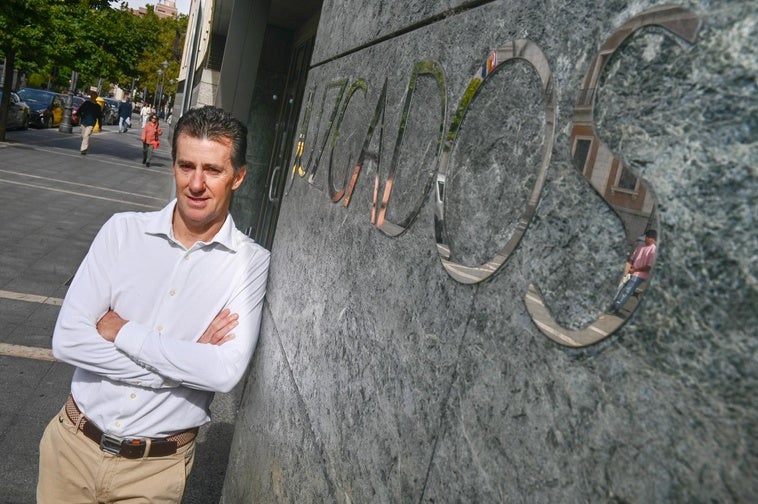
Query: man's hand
{"x": 218, "y": 332}
{"x": 110, "y": 325}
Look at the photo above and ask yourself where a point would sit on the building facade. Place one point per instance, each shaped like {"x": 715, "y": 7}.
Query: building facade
{"x": 162, "y": 9}
{"x": 451, "y": 190}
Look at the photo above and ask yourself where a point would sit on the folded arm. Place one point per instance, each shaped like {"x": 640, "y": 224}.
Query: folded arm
{"x": 76, "y": 339}
{"x": 218, "y": 359}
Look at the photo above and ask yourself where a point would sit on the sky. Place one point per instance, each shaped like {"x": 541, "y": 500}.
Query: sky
{"x": 181, "y": 5}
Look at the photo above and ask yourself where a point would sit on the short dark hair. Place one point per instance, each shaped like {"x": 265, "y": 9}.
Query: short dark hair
{"x": 651, "y": 233}
{"x": 213, "y": 123}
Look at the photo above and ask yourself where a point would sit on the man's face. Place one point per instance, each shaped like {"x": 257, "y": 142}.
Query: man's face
{"x": 649, "y": 240}
{"x": 205, "y": 180}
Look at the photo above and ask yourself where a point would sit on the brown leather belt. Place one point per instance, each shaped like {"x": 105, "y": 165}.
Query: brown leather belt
{"x": 131, "y": 448}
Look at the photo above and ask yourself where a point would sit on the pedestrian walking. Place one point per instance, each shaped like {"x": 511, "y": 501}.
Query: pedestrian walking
{"x": 151, "y": 134}
{"x": 144, "y": 113}
{"x": 89, "y": 114}
{"x": 124, "y": 115}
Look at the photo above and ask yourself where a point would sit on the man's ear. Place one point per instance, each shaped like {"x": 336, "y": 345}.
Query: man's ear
{"x": 239, "y": 177}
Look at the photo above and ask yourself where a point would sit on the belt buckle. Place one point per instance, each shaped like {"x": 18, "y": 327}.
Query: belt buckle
{"x": 110, "y": 443}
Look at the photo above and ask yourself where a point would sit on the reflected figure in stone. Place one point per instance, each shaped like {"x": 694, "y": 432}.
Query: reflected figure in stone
{"x": 636, "y": 270}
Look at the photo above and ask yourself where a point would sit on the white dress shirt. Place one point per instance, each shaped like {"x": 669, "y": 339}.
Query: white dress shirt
{"x": 155, "y": 379}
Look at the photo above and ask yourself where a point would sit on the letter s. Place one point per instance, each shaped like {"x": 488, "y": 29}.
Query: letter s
{"x": 607, "y": 174}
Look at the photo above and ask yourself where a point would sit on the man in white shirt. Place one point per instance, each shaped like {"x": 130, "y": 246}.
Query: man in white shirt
{"x": 144, "y": 113}
{"x": 148, "y": 324}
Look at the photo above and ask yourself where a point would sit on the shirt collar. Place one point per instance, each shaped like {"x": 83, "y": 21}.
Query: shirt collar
{"x": 161, "y": 224}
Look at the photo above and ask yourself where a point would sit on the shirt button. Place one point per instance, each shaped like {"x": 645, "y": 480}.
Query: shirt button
{"x": 186, "y": 257}
{"x": 133, "y": 395}
{"x": 172, "y": 292}
{"x": 118, "y": 424}
{"x": 159, "y": 328}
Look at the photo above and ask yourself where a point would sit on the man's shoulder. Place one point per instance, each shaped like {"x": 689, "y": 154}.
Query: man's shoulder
{"x": 130, "y": 219}
{"x": 250, "y": 246}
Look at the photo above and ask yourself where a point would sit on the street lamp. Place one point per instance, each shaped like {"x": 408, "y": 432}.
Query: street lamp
{"x": 65, "y": 125}
{"x": 171, "y": 92}
{"x": 156, "y": 100}
{"x": 133, "y": 90}
{"x": 162, "y": 80}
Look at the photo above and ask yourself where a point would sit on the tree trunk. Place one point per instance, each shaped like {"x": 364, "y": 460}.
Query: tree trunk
{"x": 10, "y": 63}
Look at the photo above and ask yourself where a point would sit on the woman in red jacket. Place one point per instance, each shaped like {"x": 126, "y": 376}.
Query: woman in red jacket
{"x": 150, "y": 139}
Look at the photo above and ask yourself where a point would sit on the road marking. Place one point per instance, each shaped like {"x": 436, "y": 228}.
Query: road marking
{"x": 81, "y": 185}
{"x": 31, "y": 298}
{"x": 67, "y": 152}
{"x": 103, "y": 160}
{"x": 27, "y": 352}
{"x": 152, "y": 207}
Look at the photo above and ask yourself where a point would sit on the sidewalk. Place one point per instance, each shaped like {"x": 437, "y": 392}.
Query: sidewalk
{"x": 53, "y": 200}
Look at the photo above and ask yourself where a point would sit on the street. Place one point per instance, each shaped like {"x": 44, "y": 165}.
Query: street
{"x": 53, "y": 200}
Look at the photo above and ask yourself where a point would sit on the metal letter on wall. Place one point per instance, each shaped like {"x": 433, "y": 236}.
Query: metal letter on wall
{"x": 608, "y": 176}
{"x": 297, "y": 163}
{"x": 517, "y": 49}
{"x": 427, "y": 67}
{"x": 315, "y": 157}
{"x": 365, "y": 154}
{"x": 335, "y": 193}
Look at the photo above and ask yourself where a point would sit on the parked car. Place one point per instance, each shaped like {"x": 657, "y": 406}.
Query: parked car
{"x": 110, "y": 113}
{"x": 75, "y": 104}
{"x": 46, "y": 107}
{"x": 18, "y": 112}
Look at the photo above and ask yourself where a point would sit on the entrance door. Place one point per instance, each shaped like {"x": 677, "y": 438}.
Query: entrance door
{"x": 285, "y": 130}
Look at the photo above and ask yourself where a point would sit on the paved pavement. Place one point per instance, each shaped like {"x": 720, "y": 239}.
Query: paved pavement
{"x": 52, "y": 202}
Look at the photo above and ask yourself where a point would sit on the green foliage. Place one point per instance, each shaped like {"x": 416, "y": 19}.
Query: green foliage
{"x": 24, "y": 26}
{"x": 92, "y": 38}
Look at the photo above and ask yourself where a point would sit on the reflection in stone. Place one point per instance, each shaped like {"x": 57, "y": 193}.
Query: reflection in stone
{"x": 637, "y": 269}
{"x": 517, "y": 49}
{"x": 630, "y": 197}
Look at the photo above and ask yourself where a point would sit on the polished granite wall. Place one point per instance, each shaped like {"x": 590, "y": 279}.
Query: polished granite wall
{"x": 380, "y": 378}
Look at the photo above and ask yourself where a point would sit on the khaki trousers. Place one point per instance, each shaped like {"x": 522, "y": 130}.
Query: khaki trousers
{"x": 86, "y": 133}
{"x": 73, "y": 470}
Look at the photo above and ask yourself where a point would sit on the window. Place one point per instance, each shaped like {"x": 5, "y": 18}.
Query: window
{"x": 581, "y": 151}
{"x": 626, "y": 181}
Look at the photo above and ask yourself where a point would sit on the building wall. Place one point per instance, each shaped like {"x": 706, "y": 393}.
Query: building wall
{"x": 378, "y": 377}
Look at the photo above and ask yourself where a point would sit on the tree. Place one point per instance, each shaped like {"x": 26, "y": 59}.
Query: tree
{"x": 20, "y": 37}
{"x": 55, "y": 37}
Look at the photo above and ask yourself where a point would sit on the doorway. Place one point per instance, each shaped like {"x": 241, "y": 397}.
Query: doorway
{"x": 277, "y": 97}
